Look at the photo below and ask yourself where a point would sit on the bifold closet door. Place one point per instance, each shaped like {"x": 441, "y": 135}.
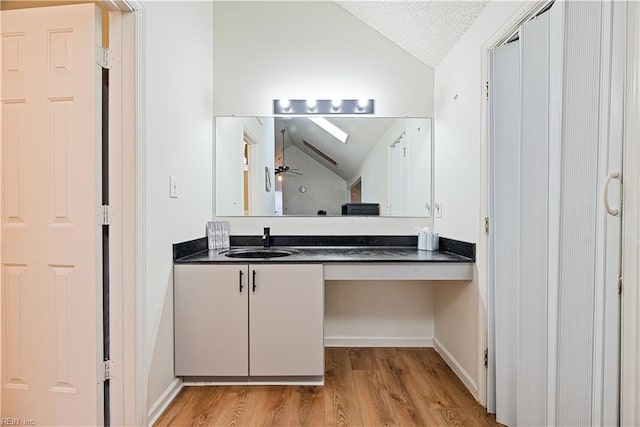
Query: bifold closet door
{"x": 587, "y": 355}
{"x": 534, "y": 222}
{"x": 520, "y": 153}
{"x": 579, "y": 181}
{"x": 556, "y": 135}
{"x": 505, "y": 152}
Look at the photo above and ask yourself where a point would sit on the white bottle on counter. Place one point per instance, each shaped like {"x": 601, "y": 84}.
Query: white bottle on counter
{"x": 433, "y": 241}
{"x": 423, "y": 233}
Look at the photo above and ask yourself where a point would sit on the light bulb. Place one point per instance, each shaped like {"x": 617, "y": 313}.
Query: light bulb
{"x": 280, "y": 178}
{"x": 311, "y": 103}
{"x": 362, "y": 102}
{"x": 285, "y": 104}
{"x": 335, "y": 103}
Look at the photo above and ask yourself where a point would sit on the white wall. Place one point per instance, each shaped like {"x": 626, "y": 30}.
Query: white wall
{"x": 179, "y": 111}
{"x": 325, "y": 189}
{"x": 458, "y": 180}
{"x": 269, "y": 50}
{"x": 387, "y": 312}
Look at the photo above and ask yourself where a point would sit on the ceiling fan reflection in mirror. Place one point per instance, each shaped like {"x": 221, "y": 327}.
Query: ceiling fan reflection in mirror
{"x": 283, "y": 168}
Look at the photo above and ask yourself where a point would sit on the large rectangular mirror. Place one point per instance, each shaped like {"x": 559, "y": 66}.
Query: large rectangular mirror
{"x": 309, "y": 166}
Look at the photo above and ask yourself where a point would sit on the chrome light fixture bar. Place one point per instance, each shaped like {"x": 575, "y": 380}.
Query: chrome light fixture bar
{"x": 323, "y": 106}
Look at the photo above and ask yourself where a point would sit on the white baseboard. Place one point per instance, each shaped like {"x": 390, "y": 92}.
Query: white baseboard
{"x": 378, "y": 341}
{"x": 456, "y": 367}
{"x": 164, "y": 400}
{"x": 287, "y": 382}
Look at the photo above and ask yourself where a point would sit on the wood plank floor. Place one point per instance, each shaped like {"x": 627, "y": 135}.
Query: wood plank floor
{"x": 363, "y": 387}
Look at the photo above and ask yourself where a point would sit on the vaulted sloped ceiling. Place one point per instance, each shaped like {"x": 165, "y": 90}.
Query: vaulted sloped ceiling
{"x": 425, "y": 29}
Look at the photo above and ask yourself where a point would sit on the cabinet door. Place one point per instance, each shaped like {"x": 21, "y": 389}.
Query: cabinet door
{"x": 211, "y": 320}
{"x": 286, "y": 317}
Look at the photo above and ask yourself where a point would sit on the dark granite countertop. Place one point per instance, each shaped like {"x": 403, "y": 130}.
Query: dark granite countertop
{"x": 392, "y": 249}
{"x": 330, "y": 254}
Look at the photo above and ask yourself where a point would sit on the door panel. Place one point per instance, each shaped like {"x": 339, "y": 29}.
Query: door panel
{"x": 286, "y": 321}
{"x": 211, "y": 320}
{"x": 532, "y": 326}
{"x": 505, "y": 236}
{"x": 50, "y": 181}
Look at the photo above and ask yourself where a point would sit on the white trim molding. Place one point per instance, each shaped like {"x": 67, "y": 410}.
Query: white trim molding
{"x": 165, "y": 399}
{"x": 345, "y": 341}
{"x": 630, "y": 336}
{"x": 456, "y": 367}
{"x": 135, "y": 121}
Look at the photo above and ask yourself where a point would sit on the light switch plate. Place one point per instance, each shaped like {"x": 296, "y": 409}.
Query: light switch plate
{"x": 438, "y": 209}
{"x": 173, "y": 187}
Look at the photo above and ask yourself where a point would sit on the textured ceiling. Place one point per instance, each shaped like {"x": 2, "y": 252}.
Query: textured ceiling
{"x": 425, "y": 29}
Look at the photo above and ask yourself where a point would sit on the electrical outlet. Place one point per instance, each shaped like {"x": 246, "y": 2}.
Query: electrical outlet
{"x": 438, "y": 209}
{"x": 173, "y": 187}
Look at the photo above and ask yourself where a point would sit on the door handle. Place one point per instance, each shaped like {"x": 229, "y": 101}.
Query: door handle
{"x": 254, "y": 280}
{"x": 605, "y": 193}
{"x": 240, "y": 280}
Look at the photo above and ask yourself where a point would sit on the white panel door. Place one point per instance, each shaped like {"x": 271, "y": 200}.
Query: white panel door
{"x": 286, "y": 320}
{"x": 51, "y": 339}
{"x": 211, "y": 320}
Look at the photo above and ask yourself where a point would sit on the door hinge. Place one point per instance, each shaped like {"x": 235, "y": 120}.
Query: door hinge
{"x": 103, "y": 57}
{"x": 106, "y": 370}
{"x": 486, "y": 225}
{"x": 486, "y": 91}
{"x": 486, "y": 357}
{"x": 104, "y": 214}
{"x": 620, "y": 285}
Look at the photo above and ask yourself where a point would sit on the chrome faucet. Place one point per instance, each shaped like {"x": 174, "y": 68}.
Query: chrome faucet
{"x": 266, "y": 237}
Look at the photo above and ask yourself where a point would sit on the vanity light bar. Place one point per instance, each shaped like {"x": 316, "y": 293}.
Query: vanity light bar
{"x": 323, "y": 106}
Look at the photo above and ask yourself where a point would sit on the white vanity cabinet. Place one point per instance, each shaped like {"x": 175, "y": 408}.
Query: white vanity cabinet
{"x": 258, "y": 320}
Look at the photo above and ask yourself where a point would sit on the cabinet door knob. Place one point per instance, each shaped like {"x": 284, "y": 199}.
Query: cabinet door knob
{"x": 254, "y": 280}
{"x": 240, "y": 281}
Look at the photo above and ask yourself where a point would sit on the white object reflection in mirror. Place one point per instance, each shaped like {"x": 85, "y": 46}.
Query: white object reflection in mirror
{"x": 332, "y": 129}
{"x": 267, "y": 179}
{"x": 388, "y": 161}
